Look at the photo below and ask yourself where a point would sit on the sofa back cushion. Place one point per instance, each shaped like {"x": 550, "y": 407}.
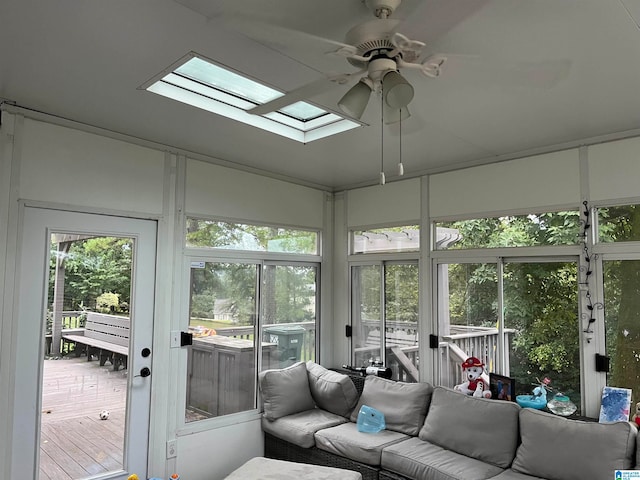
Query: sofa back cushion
{"x": 404, "y": 404}
{"x": 480, "y": 428}
{"x": 285, "y": 391}
{"x": 561, "y": 449}
{"x": 332, "y": 391}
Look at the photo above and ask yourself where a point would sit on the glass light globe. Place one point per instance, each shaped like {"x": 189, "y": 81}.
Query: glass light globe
{"x": 561, "y": 405}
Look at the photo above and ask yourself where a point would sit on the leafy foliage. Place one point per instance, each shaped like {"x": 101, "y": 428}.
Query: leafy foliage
{"x": 93, "y": 267}
{"x": 236, "y": 236}
{"x": 540, "y": 299}
{"x": 622, "y": 296}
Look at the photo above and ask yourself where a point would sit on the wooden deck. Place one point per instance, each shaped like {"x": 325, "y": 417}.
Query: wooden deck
{"x": 74, "y": 442}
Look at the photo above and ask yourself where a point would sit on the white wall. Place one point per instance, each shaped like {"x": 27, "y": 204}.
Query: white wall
{"x": 61, "y": 167}
{"x": 528, "y": 183}
{"x": 67, "y": 166}
{"x": 394, "y": 203}
{"x": 614, "y": 170}
{"x": 223, "y": 192}
{"x": 57, "y": 165}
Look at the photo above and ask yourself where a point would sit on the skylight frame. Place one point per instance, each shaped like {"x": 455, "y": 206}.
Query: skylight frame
{"x": 198, "y": 93}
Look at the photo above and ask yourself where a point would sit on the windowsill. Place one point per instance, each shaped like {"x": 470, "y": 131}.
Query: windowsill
{"x": 219, "y": 422}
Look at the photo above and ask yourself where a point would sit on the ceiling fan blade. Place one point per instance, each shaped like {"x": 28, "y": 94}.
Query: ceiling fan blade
{"x": 304, "y": 92}
{"x": 489, "y": 74}
{"x": 432, "y": 19}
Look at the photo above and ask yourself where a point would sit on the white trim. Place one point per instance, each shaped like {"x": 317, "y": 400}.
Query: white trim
{"x": 67, "y": 207}
{"x": 481, "y": 254}
{"x": 11, "y": 156}
{"x": 324, "y": 326}
{"x": 566, "y": 207}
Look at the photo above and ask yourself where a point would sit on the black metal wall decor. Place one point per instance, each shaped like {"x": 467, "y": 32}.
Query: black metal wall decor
{"x": 586, "y": 269}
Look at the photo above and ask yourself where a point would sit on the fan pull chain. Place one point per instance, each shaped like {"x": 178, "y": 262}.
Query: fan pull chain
{"x": 383, "y": 180}
{"x": 400, "y": 165}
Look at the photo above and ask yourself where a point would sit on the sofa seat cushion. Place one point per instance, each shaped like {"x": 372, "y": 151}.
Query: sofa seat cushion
{"x": 345, "y": 440}
{"x": 404, "y": 404}
{"x": 299, "y": 428}
{"x": 285, "y": 391}
{"x": 479, "y": 428}
{"x": 511, "y": 475}
{"x": 414, "y": 458}
{"x": 332, "y": 391}
{"x": 557, "y": 448}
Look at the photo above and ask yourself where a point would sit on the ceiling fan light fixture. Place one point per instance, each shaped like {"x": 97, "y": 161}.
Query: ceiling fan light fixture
{"x": 355, "y": 100}
{"x": 398, "y": 93}
{"x": 394, "y": 115}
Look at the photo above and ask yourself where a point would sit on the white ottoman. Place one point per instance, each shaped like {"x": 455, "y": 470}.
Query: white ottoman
{"x": 260, "y": 468}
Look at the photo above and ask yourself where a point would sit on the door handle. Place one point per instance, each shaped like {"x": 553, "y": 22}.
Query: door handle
{"x": 144, "y": 372}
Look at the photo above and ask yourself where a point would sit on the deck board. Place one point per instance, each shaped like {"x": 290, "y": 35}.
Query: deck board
{"x": 75, "y": 443}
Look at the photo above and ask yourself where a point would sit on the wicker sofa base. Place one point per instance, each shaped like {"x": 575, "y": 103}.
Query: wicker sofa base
{"x": 385, "y": 475}
{"x": 279, "y": 449}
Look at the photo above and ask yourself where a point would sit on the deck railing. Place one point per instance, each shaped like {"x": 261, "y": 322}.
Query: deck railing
{"x": 463, "y": 341}
{"x": 401, "y": 345}
{"x": 71, "y": 319}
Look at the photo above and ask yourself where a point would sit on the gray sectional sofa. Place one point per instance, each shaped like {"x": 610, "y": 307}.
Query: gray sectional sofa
{"x": 432, "y": 433}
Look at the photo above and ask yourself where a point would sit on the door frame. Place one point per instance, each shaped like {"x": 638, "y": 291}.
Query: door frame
{"x": 36, "y": 226}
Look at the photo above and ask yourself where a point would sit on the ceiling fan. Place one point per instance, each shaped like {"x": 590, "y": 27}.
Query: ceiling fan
{"x": 379, "y": 50}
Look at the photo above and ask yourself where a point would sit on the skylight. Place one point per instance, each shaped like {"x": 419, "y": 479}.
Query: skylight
{"x": 203, "y": 84}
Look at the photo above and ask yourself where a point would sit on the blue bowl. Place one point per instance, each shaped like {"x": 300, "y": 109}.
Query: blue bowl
{"x": 529, "y": 401}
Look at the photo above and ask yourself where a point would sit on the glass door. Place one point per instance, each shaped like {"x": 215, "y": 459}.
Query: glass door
{"x": 384, "y": 317}
{"x": 543, "y": 326}
{"x": 519, "y": 317}
{"x": 85, "y": 336}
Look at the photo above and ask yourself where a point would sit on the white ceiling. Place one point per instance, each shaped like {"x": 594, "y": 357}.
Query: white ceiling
{"x": 523, "y": 76}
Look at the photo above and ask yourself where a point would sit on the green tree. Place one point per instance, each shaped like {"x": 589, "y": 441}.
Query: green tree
{"x": 540, "y": 298}
{"x": 622, "y": 296}
{"x": 401, "y": 292}
{"x": 95, "y": 266}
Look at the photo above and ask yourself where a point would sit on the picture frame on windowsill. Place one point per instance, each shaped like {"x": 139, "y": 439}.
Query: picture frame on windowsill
{"x": 502, "y": 387}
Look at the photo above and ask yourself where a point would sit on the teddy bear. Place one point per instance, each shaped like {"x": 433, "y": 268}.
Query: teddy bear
{"x": 636, "y": 415}
{"x": 474, "y": 385}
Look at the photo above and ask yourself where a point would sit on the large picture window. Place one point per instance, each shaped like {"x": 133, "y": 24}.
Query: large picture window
{"x": 517, "y": 313}
{"x": 246, "y": 314}
{"x": 385, "y": 292}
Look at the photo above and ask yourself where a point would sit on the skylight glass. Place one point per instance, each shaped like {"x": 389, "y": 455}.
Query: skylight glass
{"x": 201, "y": 83}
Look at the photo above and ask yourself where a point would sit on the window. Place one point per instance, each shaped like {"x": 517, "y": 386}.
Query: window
{"x": 384, "y": 316}
{"x": 389, "y": 239}
{"x": 558, "y": 228}
{"x": 256, "y": 238}
{"x": 222, "y": 318}
{"x": 518, "y": 314}
{"x": 522, "y": 323}
{"x": 619, "y": 224}
{"x": 622, "y": 321}
{"x": 246, "y": 314}
{"x": 385, "y": 299}
{"x": 202, "y": 83}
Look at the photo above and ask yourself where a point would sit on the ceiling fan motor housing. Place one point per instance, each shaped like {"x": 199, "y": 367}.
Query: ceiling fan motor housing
{"x": 370, "y": 37}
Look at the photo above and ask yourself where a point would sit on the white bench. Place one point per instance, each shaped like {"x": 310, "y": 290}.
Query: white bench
{"x": 105, "y": 336}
